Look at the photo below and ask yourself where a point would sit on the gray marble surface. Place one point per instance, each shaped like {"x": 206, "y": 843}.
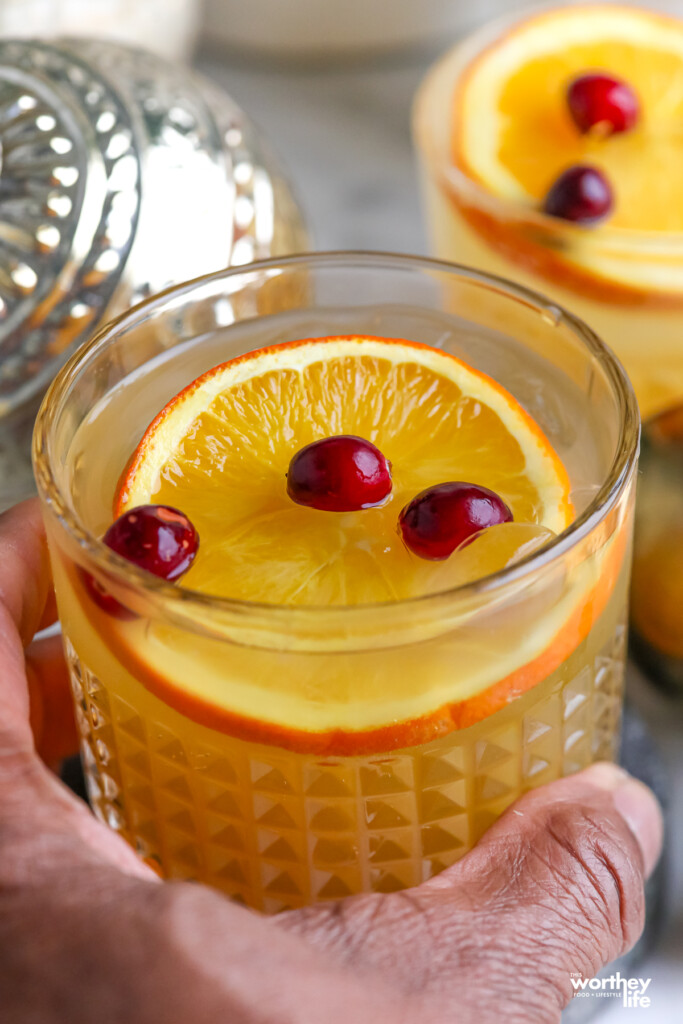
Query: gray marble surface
{"x": 664, "y": 718}
{"x": 344, "y": 133}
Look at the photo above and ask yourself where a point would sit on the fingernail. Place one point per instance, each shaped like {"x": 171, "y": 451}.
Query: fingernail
{"x": 639, "y": 808}
{"x": 606, "y": 775}
{"x": 636, "y": 804}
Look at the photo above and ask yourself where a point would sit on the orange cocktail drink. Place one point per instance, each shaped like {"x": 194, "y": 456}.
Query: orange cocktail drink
{"x": 546, "y": 145}
{"x": 338, "y": 690}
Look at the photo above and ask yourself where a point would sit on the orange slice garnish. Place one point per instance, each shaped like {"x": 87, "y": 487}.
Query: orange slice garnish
{"x": 514, "y": 135}
{"x": 220, "y": 450}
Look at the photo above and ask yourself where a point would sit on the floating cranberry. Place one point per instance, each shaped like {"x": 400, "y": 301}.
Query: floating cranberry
{"x": 154, "y": 537}
{"x": 339, "y": 474}
{"x": 103, "y": 599}
{"x": 599, "y": 99}
{"x": 582, "y": 194}
{"x": 441, "y": 518}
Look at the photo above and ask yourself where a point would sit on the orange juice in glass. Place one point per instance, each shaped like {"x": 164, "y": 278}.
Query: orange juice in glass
{"x": 547, "y": 147}
{"x": 327, "y": 701}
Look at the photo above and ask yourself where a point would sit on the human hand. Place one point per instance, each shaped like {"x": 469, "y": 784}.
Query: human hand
{"x": 87, "y": 932}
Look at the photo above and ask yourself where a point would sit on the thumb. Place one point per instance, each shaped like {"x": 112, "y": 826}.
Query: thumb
{"x": 555, "y": 887}
{"x": 563, "y": 871}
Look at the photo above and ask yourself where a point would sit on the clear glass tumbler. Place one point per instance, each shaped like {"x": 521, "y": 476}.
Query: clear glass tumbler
{"x": 202, "y": 791}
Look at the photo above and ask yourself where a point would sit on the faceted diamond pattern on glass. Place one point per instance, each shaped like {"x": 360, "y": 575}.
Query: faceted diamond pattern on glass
{"x": 276, "y": 830}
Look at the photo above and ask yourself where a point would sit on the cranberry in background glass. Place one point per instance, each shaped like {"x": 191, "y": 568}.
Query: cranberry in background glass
{"x": 344, "y": 473}
{"x": 582, "y": 194}
{"x": 600, "y": 99}
{"x": 442, "y": 517}
{"x": 156, "y": 538}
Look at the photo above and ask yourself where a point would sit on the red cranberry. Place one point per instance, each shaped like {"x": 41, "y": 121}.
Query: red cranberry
{"x": 441, "y": 518}
{"x": 598, "y": 99}
{"x": 339, "y": 474}
{"x": 154, "y": 537}
{"x": 582, "y": 194}
{"x": 103, "y": 599}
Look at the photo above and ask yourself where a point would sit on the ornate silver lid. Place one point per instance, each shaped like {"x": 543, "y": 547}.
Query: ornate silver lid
{"x": 120, "y": 174}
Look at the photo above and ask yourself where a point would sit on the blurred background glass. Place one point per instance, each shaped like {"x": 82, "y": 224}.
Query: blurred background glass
{"x": 315, "y": 29}
{"x": 657, "y": 584}
{"x": 168, "y": 27}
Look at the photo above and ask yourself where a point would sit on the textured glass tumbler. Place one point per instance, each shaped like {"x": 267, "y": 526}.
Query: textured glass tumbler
{"x": 194, "y": 788}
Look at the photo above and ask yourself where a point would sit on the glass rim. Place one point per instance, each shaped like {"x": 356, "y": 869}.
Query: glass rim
{"x": 467, "y": 48}
{"x": 181, "y": 601}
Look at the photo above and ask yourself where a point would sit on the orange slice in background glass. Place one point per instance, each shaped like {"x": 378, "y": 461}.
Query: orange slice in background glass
{"x": 219, "y": 451}
{"x": 514, "y": 135}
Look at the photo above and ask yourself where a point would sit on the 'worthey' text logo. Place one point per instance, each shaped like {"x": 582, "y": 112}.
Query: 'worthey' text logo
{"x": 631, "y": 990}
